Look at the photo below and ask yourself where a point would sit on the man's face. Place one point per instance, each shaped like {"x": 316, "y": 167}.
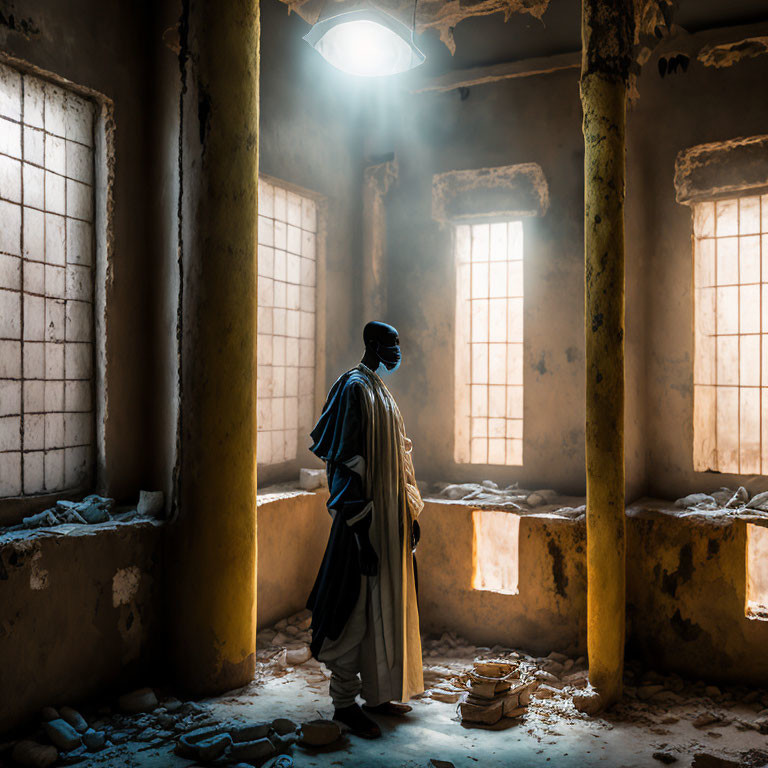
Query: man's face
{"x": 388, "y": 351}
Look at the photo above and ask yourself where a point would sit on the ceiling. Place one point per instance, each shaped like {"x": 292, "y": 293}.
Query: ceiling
{"x": 486, "y": 40}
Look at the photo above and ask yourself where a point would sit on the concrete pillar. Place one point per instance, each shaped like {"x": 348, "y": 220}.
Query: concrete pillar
{"x": 607, "y": 30}
{"x": 212, "y": 559}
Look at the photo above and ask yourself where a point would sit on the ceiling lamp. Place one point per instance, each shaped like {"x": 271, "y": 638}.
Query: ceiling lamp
{"x": 366, "y": 42}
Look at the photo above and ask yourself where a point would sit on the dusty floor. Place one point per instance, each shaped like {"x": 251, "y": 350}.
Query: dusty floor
{"x": 662, "y": 719}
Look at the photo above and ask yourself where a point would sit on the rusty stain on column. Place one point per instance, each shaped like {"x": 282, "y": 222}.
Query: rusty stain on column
{"x": 213, "y": 552}
{"x": 607, "y": 28}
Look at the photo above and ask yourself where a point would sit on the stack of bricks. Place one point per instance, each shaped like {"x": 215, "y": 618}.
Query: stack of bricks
{"x": 494, "y": 691}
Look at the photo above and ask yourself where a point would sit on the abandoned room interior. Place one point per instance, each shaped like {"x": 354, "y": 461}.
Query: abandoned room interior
{"x": 561, "y": 206}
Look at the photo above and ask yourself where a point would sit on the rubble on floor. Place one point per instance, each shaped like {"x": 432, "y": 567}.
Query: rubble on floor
{"x": 725, "y": 502}
{"x": 511, "y": 497}
{"x": 230, "y": 731}
{"x": 66, "y": 737}
{"x": 91, "y": 510}
{"x": 494, "y": 691}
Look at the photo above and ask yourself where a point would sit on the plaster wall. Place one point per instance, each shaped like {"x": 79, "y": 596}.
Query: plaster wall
{"x": 310, "y": 136}
{"x": 102, "y": 46}
{"x": 549, "y": 612}
{"x": 530, "y": 120}
{"x": 293, "y": 530}
{"x": 686, "y": 597}
{"x": 701, "y": 105}
{"x": 80, "y": 614}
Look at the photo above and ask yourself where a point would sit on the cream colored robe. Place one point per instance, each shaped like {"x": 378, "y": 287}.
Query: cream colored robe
{"x": 386, "y": 617}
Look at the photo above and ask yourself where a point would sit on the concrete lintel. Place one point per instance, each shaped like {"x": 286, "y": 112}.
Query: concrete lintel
{"x": 465, "y": 78}
{"x": 722, "y": 169}
{"x": 487, "y": 194}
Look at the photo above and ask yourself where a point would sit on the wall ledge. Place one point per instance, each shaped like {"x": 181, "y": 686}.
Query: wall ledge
{"x": 276, "y": 493}
{"x": 568, "y": 510}
{"x": 75, "y": 530}
{"x": 490, "y": 194}
{"x": 722, "y": 169}
{"x": 656, "y": 509}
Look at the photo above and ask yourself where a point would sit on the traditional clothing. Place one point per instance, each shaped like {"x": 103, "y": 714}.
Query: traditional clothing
{"x": 367, "y": 624}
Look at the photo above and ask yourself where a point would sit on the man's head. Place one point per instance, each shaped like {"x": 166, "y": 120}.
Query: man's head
{"x": 383, "y": 341}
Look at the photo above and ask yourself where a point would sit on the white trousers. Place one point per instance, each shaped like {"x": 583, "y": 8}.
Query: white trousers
{"x": 356, "y": 660}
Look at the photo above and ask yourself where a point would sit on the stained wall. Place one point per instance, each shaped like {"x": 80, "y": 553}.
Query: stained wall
{"x": 686, "y": 597}
{"x": 701, "y": 105}
{"x": 80, "y": 615}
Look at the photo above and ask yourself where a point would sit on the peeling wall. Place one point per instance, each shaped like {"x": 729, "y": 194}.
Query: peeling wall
{"x": 549, "y": 613}
{"x": 293, "y": 530}
{"x": 80, "y": 614}
{"x": 686, "y": 597}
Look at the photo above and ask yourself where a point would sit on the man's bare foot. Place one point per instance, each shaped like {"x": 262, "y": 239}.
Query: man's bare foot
{"x": 389, "y": 708}
{"x": 354, "y": 718}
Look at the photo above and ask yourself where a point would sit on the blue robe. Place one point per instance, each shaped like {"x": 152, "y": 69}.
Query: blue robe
{"x": 339, "y": 439}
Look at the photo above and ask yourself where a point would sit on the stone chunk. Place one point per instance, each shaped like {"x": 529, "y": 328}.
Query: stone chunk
{"x": 692, "y": 499}
{"x": 49, "y": 713}
{"x": 311, "y": 479}
{"x": 260, "y": 749}
{"x": 705, "y": 719}
{"x": 62, "y": 734}
{"x": 36, "y": 755}
{"x": 664, "y": 757}
{"x": 588, "y": 701}
{"x": 94, "y": 740}
{"x": 248, "y": 732}
{"x": 151, "y": 503}
{"x": 141, "y": 700}
{"x": 40, "y": 519}
{"x": 644, "y": 692}
{"x": 210, "y": 749}
{"x": 172, "y": 705}
{"x": 283, "y": 726}
{"x": 318, "y": 733}
{"x": 759, "y": 501}
{"x": 296, "y": 656}
{"x": 74, "y": 718}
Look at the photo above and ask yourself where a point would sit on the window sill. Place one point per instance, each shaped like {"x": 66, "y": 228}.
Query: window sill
{"x": 282, "y": 491}
{"x": 569, "y": 508}
{"x": 77, "y": 529}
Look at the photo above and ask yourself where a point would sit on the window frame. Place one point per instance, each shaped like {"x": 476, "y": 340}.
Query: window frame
{"x": 458, "y": 357}
{"x": 268, "y": 474}
{"x": 14, "y": 508}
{"x": 706, "y": 451}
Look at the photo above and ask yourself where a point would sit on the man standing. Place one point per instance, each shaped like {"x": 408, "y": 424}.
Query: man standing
{"x": 365, "y": 622}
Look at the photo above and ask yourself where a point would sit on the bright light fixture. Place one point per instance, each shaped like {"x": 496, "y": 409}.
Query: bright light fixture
{"x": 365, "y": 42}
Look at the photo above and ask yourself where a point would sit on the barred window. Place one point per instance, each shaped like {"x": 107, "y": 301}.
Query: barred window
{"x": 489, "y": 343}
{"x": 731, "y": 327}
{"x": 287, "y": 267}
{"x": 46, "y": 286}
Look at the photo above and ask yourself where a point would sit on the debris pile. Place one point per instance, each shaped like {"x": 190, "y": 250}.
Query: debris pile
{"x": 91, "y": 510}
{"x": 510, "y": 497}
{"x": 494, "y": 690}
{"x": 725, "y": 502}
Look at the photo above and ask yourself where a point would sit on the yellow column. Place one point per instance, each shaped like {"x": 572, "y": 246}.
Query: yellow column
{"x": 212, "y": 559}
{"x": 607, "y": 38}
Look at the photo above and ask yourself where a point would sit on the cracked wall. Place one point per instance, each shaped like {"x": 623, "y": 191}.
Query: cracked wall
{"x": 686, "y": 599}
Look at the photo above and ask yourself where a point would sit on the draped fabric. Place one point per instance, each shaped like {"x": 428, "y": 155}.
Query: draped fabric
{"x": 389, "y": 483}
